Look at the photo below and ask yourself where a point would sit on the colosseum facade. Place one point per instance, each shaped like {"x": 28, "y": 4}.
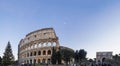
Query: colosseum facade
{"x": 36, "y": 47}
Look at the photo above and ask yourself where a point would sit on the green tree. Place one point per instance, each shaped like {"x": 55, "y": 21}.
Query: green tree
{"x": 0, "y": 60}
{"x": 90, "y": 60}
{"x": 53, "y": 57}
{"x": 59, "y": 56}
{"x": 82, "y": 55}
{"x": 67, "y": 55}
{"x": 8, "y": 57}
{"x": 76, "y": 56}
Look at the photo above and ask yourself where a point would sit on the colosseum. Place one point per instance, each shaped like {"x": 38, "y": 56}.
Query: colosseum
{"x": 36, "y": 46}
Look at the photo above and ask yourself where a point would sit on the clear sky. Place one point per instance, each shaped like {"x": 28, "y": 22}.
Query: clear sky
{"x": 93, "y": 25}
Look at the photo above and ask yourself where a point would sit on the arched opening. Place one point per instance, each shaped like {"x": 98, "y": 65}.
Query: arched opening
{"x": 39, "y": 52}
{"x": 43, "y": 61}
{"x": 48, "y": 61}
{"x": 38, "y": 60}
{"x": 31, "y": 54}
{"x": 34, "y": 60}
{"x": 54, "y": 44}
{"x": 30, "y": 61}
{"x": 39, "y": 45}
{"x": 34, "y": 53}
{"x": 44, "y": 52}
{"x": 32, "y": 47}
{"x": 49, "y": 44}
{"x": 27, "y": 54}
{"x": 35, "y": 36}
{"x": 45, "y": 35}
{"x": 103, "y": 59}
{"x": 49, "y": 52}
{"x": 99, "y": 62}
{"x": 44, "y": 44}
{"x": 35, "y": 46}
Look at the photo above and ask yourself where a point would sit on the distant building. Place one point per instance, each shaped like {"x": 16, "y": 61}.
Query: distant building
{"x": 103, "y": 55}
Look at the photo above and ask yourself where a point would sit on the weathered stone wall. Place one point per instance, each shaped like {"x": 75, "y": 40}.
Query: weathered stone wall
{"x": 36, "y": 47}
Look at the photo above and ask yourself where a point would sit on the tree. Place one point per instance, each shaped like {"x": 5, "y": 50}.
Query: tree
{"x": 8, "y": 57}
{"x": 59, "y": 56}
{"x": 90, "y": 60}
{"x": 0, "y": 60}
{"x": 67, "y": 55}
{"x": 56, "y": 56}
{"x": 80, "y": 56}
{"x": 76, "y": 56}
{"x": 53, "y": 57}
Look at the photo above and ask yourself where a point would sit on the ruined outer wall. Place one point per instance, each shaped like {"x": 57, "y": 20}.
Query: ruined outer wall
{"x": 36, "y": 47}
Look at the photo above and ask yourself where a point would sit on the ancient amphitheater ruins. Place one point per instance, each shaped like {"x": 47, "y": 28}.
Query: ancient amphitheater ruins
{"x": 36, "y": 47}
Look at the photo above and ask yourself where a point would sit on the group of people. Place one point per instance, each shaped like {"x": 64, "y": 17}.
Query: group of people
{"x": 100, "y": 64}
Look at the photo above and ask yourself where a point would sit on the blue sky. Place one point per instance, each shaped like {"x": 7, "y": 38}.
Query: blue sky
{"x": 93, "y": 25}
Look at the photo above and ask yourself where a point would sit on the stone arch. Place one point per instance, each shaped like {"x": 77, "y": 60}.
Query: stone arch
{"x": 54, "y": 43}
{"x": 35, "y": 46}
{"x": 27, "y": 54}
{"x": 32, "y": 46}
{"x": 39, "y": 52}
{"x": 31, "y": 54}
{"x": 103, "y": 59}
{"x": 45, "y": 35}
{"x": 49, "y": 44}
{"x": 34, "y": 60}
{"x": 43, "y": 60}
{"x": 39, "y": 45}
{"x": 35, "y": 53}
{"x": 38, "y": 60}
{"x": 30, "y": 61}
{"x": 35, "y": 36}
{"x": 44, "y": 44}
{"x": 49, "y": 52}
{"x": 48, "y": 61}
{"x": 44, "y": 52}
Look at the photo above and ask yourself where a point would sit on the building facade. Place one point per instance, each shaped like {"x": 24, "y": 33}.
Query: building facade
{"x": 103, "y": 55}
{"x": 36, "y": 47}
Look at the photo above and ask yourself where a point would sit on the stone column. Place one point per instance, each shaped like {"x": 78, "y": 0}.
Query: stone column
{"x": 37, "y": 45}
{"x": 36, "y": 60}
{"x": 42, "y": 44}
{"x": 46, "y": 52}
{"x": 41, "y": 52}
